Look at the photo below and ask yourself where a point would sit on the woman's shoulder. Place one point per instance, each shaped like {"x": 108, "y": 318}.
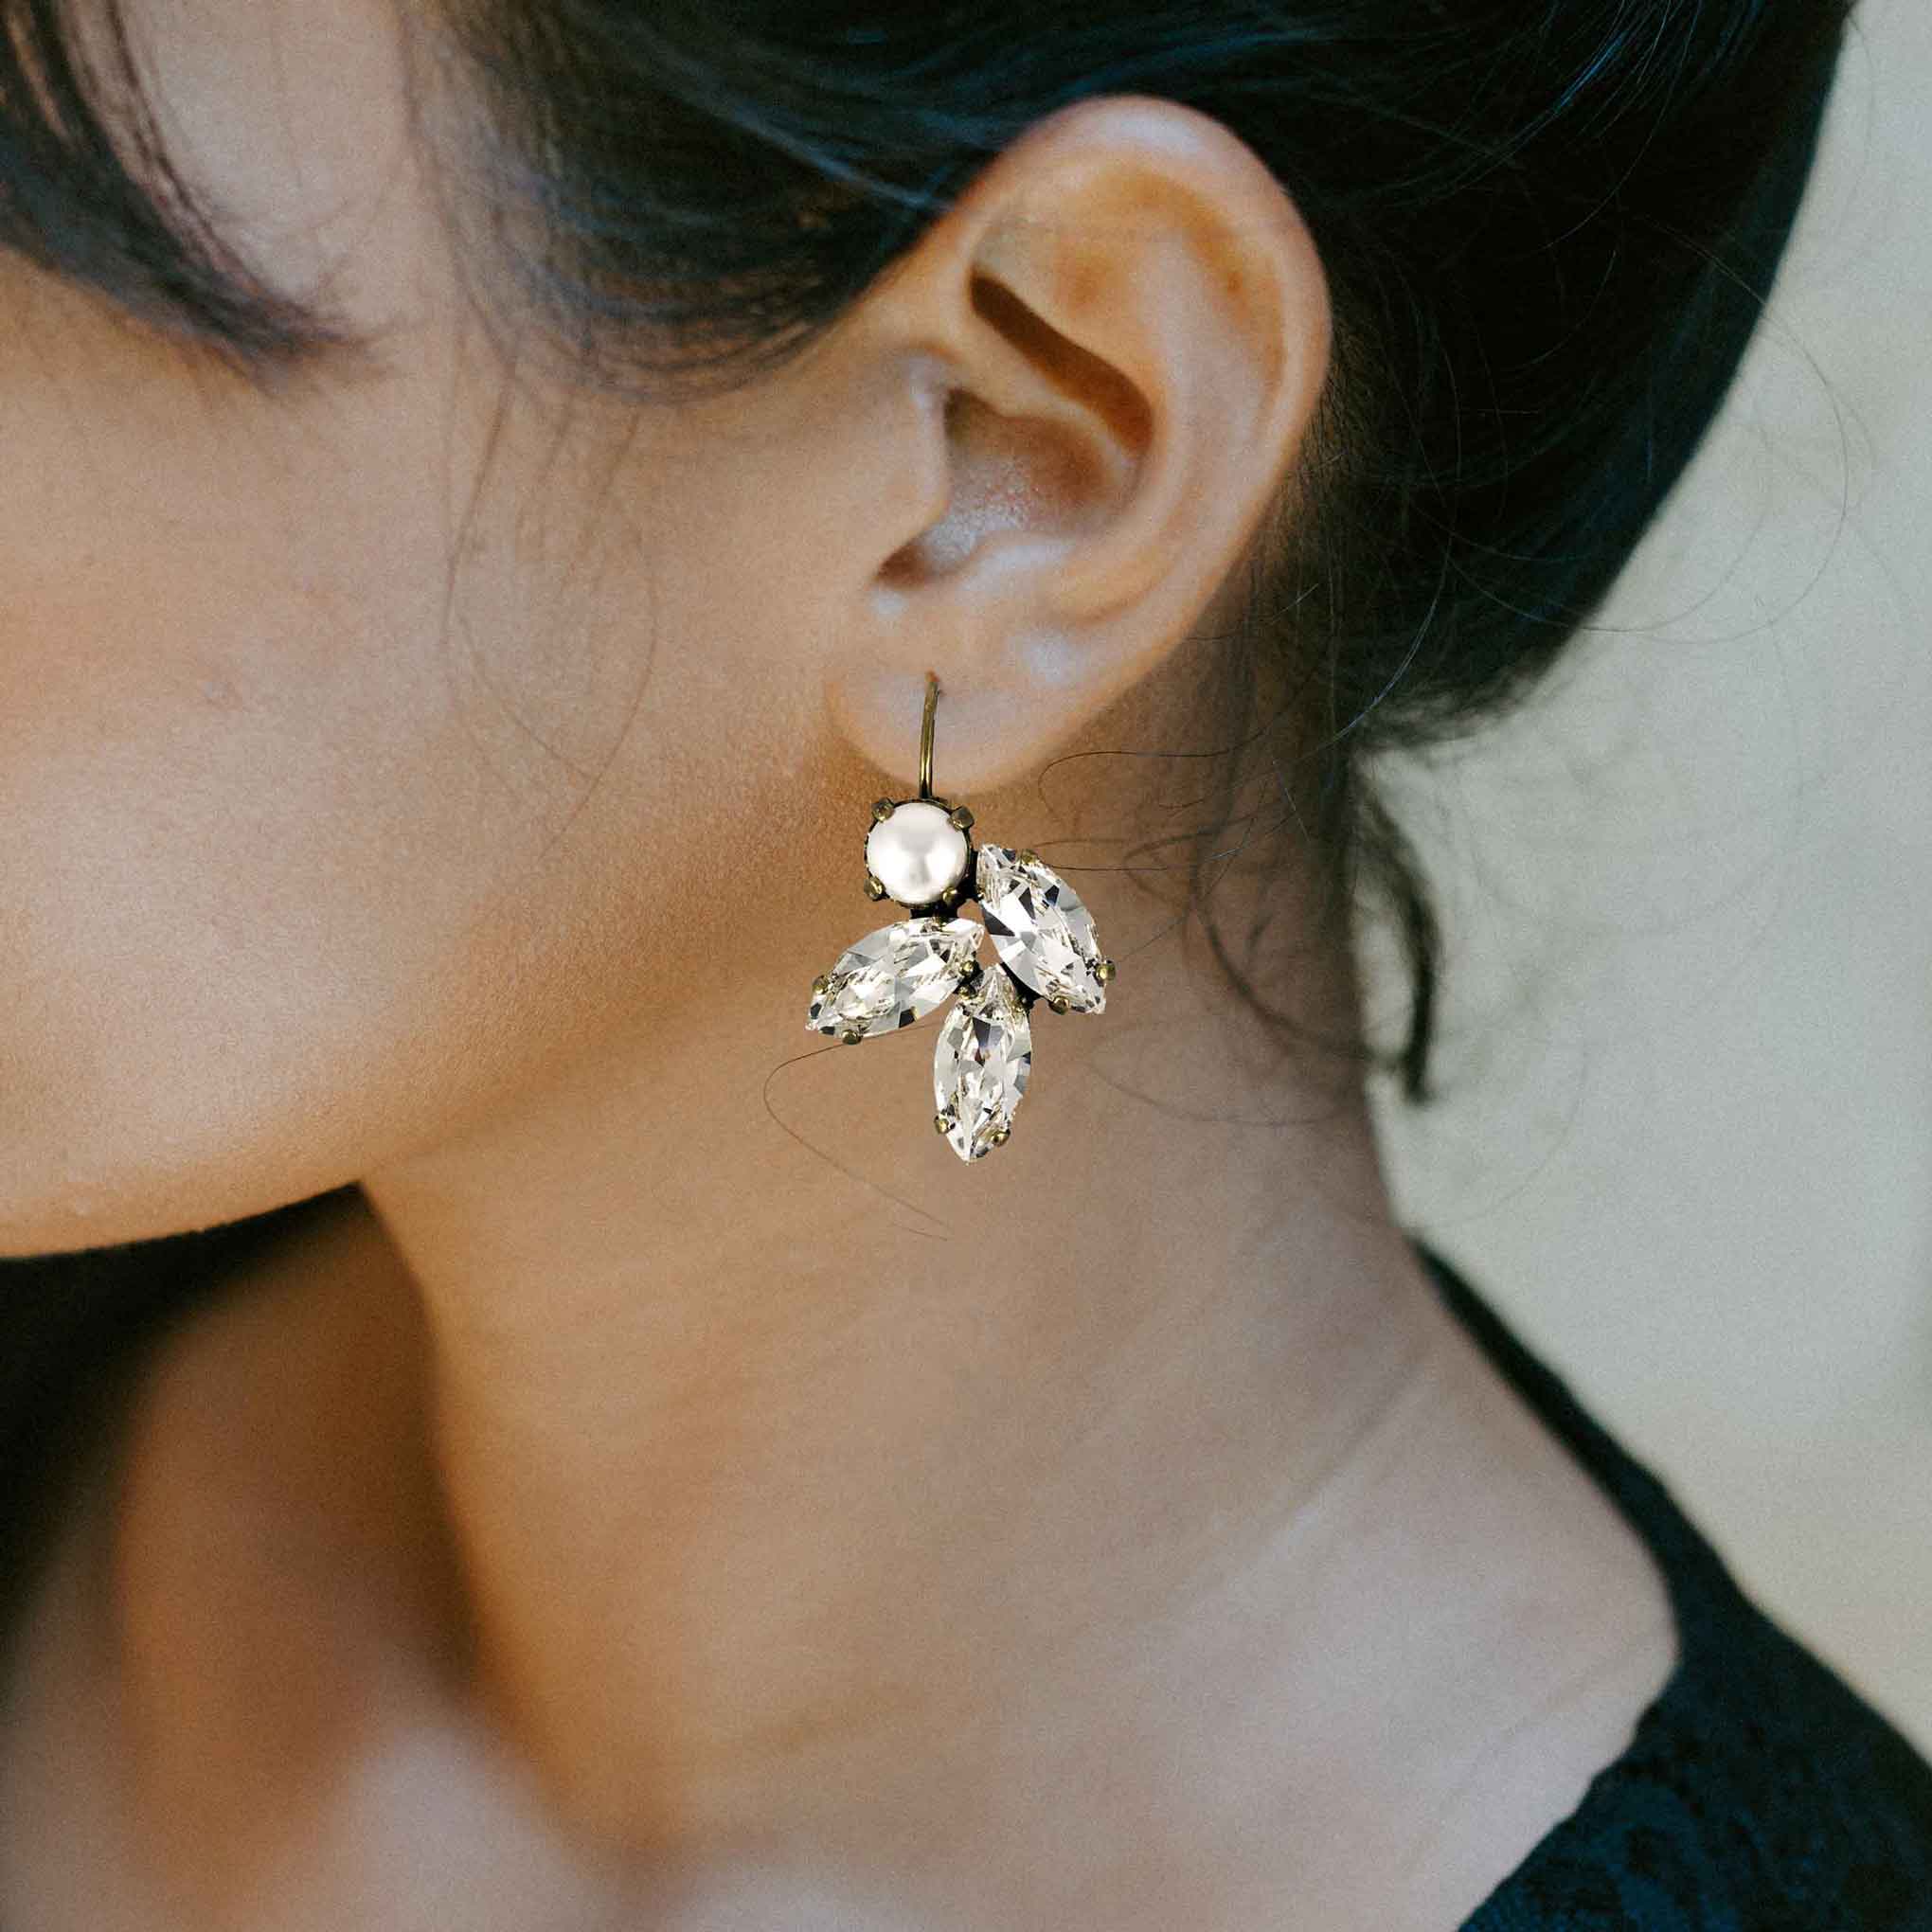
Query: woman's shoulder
{"x": 1759, "y": 1790}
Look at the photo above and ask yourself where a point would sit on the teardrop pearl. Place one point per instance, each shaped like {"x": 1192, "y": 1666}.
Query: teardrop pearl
{"x": 916, "y": 853}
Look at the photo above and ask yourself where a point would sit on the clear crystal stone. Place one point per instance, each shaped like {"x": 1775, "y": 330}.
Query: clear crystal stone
{"x": 980, "y": 1065}
{"x": 893, "y": 976}
{"x": 1043, "y": 935}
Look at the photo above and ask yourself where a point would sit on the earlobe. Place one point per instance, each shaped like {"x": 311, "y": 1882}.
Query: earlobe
{"x": 1134, "y": 328}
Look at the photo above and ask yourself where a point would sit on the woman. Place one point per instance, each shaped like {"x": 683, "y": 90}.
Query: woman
{"x": 521, "y": 1436}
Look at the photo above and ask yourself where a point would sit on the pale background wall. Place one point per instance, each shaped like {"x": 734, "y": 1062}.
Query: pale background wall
{"x": 1688, "y": 1146}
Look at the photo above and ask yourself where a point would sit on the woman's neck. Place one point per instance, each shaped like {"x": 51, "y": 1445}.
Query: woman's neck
{"x": 808, "y": 1473}
{"x": 1016, "y": 1536}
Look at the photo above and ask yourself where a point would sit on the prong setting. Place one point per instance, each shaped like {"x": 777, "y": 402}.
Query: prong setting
{"x": 919, "y": 852}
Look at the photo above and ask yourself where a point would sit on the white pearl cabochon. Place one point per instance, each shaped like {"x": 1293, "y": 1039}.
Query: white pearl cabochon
{"x": 916, "y": 853}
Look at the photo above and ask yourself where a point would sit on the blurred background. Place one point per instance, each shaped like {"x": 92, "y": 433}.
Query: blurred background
{"x": 1685, "y": 1140}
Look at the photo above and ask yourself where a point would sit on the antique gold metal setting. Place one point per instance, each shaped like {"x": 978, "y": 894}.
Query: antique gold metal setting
{"x": 919, "y": 852}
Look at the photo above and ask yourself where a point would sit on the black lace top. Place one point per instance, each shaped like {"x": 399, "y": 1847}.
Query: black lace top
{"x": 1759, "y": 1793}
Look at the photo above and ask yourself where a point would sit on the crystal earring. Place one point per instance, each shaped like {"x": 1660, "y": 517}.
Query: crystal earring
{"x": 917, "y": 853}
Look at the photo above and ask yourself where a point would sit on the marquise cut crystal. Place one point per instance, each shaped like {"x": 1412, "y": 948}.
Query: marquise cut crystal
{"x": 1043, "y": 935}
{"x": 894, "y": 976}
{"x": 980, "y": 1065}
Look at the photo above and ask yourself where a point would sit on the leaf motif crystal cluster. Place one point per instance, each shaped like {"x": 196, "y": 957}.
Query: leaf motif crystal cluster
{"x": 918, "y": 853}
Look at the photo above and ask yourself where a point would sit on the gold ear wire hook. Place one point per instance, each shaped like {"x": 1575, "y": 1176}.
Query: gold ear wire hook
{"x": 925, "y": 736}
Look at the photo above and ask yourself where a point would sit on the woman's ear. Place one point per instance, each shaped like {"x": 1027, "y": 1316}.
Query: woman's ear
{"x": 1120, "y": 331}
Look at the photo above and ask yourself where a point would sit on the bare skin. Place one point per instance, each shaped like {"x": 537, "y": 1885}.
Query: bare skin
{"x": 674, "y": 1490}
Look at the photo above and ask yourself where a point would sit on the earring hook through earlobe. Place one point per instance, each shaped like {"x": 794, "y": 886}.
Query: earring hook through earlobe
{"x": 925, "y": 736}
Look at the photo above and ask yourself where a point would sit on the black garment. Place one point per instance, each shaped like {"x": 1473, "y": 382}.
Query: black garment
{"x": 1759, "y": 1793}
